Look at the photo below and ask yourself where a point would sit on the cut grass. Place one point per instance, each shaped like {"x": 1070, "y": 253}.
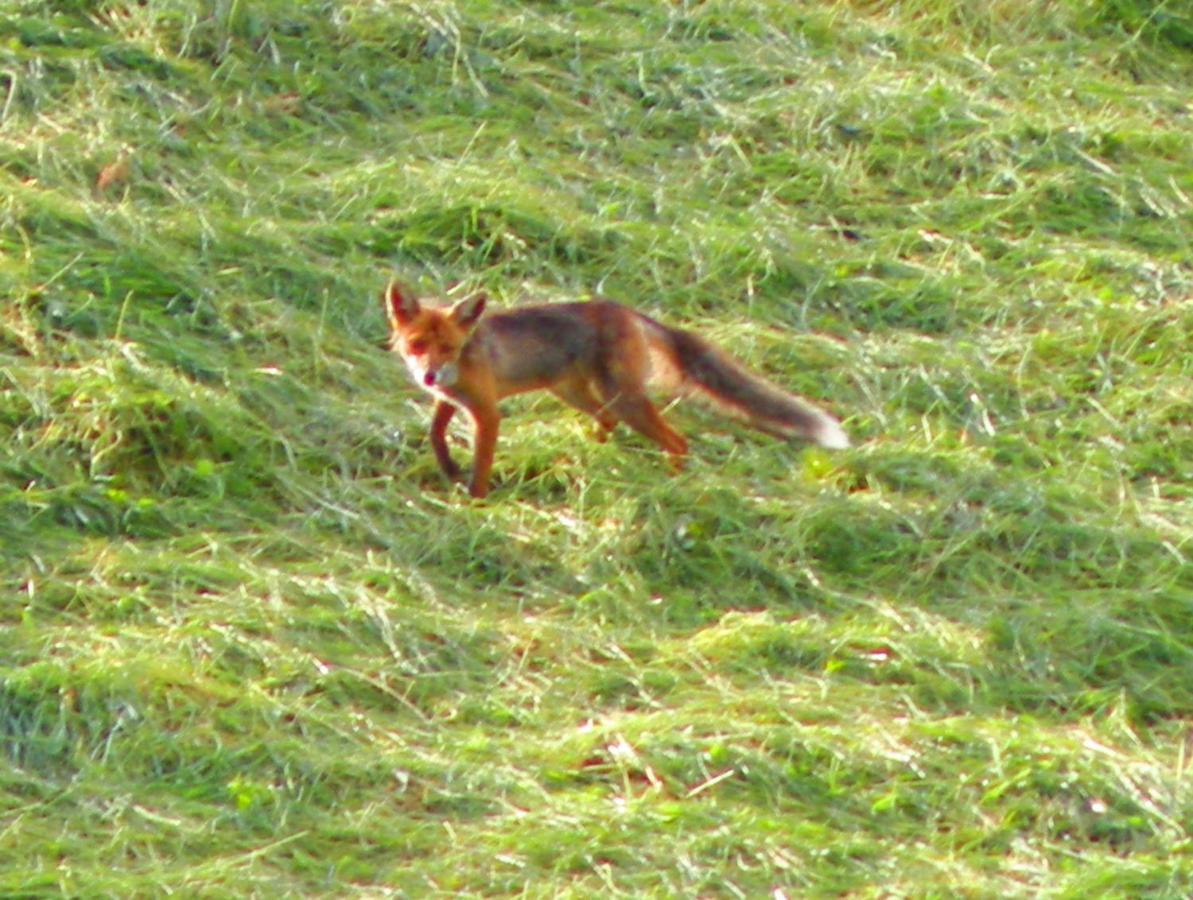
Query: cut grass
{"x": 253, "y": 643}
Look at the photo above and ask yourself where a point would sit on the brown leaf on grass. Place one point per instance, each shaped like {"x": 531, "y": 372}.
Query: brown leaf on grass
{"x": 286, "y": 104}
{"x": 114, "y": 174}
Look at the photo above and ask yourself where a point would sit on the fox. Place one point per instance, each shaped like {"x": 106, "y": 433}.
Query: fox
{"x": 597, "y": 356}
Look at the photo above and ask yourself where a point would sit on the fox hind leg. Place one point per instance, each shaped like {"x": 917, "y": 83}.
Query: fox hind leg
{"x": 580, "y": 393}
{"x": 636, "y": 410}
{"x": 621, "y": 383}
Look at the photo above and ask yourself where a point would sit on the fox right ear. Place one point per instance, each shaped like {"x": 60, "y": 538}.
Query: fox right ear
{"x": 467, "y": 312}
{"x": 400, "y": 305}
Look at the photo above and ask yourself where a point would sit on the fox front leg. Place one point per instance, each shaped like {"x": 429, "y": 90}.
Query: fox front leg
{"x": 486, "y": 421}
{"x": 439, "y": 420}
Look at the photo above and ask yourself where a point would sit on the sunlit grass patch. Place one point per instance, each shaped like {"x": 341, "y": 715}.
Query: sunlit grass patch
{"x": 254, "y": 641}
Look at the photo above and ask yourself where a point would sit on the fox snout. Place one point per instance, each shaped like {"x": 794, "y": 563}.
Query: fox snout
{"x": 440, "y": 376}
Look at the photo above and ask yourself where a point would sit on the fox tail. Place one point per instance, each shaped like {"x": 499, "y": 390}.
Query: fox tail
{"x": 729, "y": 386}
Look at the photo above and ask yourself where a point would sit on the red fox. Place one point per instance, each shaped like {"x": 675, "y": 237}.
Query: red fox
{"x": 597, "y": 356}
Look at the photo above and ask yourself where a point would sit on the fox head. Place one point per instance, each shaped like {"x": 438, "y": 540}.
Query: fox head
{"x": 430, "y": 338}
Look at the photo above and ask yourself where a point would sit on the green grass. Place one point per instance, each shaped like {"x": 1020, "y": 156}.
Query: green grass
{"x": 253, "y": 644}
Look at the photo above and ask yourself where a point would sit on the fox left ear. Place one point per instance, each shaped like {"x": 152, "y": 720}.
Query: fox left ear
{"x": 400, "y": 305}
{"x": 468, "y": 311}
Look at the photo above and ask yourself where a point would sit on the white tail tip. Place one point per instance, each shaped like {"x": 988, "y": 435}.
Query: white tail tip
{"x": 832, "y": 436}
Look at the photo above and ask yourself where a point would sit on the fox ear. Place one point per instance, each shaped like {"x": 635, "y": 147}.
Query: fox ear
{"x": 400, "y": 305}
{"x": 468, "y": 311}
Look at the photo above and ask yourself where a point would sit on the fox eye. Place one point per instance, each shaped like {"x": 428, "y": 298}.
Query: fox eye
{"x": 417, "y": 346}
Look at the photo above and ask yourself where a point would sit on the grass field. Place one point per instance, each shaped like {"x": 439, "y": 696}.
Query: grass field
{"x": 254, "y": 645}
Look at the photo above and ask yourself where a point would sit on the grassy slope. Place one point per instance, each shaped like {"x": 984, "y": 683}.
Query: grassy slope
{"x": 252, "y": 642}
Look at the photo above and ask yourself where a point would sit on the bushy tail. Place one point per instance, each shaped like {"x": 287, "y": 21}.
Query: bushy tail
{"x": 729, "y": 385}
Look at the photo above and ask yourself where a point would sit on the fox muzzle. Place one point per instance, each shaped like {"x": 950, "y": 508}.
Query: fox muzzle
{"x": 444, "y": 376}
